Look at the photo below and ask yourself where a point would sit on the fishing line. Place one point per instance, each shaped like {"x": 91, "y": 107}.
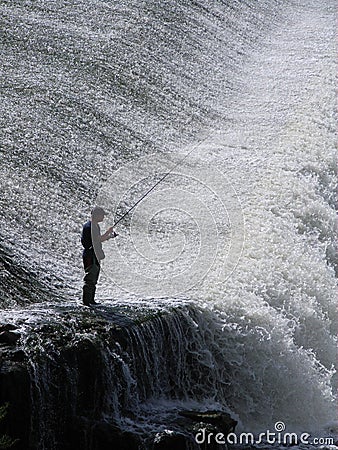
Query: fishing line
{"x": 160, "y": 180}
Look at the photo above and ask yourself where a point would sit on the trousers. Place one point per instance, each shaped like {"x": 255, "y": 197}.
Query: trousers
{"x": 92, "y": 272}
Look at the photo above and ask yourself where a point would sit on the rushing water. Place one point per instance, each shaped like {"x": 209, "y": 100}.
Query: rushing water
{"x": 244, "y": 226}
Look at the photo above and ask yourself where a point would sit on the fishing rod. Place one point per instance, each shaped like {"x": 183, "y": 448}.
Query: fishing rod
{"x": 159, "y": 181}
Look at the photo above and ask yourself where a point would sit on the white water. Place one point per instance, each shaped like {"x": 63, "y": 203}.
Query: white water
{"x": 283, "y": 291}
{"x": 278, "y": 154}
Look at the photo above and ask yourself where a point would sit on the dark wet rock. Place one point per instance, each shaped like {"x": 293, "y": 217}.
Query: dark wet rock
{"x": 170, "y": 440}
{"x": 9, "y": 337}
{"x": 15, "y": 390}
{"x": 106, "y": 437}
{"x": 73, "y": 374}
{"x": 220, "y": 420}
{"x": 190, "y": 423}
{"x": 96, "y": 435}
{"x": 7, "y": 327}
{"x": 19, "y": 356}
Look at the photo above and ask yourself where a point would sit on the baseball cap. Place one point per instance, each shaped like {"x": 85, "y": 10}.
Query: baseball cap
{"x": 98, "y": 211}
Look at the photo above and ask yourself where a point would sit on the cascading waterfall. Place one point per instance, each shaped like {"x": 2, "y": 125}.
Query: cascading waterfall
{"x": 134, "y": 373}
{"x": 91, "y": 87}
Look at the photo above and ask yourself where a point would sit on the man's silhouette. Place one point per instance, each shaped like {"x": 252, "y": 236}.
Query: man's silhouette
{"x": 91, "y": 240}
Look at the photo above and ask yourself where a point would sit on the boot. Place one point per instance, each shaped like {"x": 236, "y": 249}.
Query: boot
{"x": 92, "y": 301}
{"x": 88, "y": 295}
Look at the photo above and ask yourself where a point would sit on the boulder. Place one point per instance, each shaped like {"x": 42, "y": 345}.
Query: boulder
{"x": 170, "y": 440}
{"x": 219, "y": 419}
{"x": 9, "y": 337}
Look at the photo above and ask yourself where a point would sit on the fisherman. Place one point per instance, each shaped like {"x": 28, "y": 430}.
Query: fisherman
{"x": 91, "y": 240}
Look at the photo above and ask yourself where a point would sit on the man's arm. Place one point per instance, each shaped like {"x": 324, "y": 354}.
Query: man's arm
{"x": 108, "y": 234}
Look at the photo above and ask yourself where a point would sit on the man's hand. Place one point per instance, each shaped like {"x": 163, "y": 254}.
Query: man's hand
{"x": 113, "y": 234}
{"x": 110, "y": 233}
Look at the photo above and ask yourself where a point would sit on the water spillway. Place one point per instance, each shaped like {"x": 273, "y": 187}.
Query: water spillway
{"x": 127, "y": 367}
{"x": 100, "y": 97}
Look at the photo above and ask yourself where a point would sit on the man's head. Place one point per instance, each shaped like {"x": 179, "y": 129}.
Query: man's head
{"x": 98, "y": 214}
